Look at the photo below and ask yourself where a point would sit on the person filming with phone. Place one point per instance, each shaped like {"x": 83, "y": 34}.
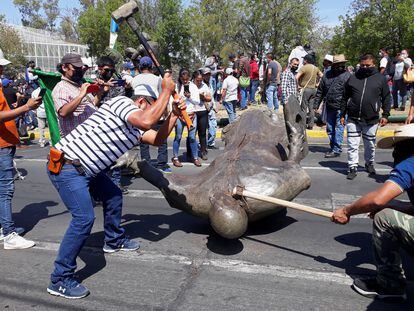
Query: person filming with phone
{"x": 73, "y": 103}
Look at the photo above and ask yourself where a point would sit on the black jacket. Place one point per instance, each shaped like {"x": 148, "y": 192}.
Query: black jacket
{"x": 367, "y": 95}
{"x": 332, "y": 89}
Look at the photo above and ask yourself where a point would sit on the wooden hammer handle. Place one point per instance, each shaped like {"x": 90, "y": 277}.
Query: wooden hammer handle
{"x": 296, "y": 206}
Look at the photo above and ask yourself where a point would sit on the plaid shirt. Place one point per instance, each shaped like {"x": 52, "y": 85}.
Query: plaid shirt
{"x": 289, "y": 84}
{"x": 65, "y": 92}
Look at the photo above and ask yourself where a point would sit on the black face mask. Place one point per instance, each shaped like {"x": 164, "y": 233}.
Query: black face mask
{"x": 106, "y": 75}
{"x": 78, "y": 75}
{"x": 366, "y": 71}
{"x": 293, "y": 69}
{"x": 338, "y": 69}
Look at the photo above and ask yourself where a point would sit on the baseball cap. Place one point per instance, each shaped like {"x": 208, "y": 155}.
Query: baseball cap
{"x": 206, "y": 71}
{"x": 3, "y": 61}
{"x": 128, "y": 65}
{"x": 74, "y": 59}
{"x": 145, "y": 62}
{"x": 329, "y": 58}
{"x": 5, "y": 82}
{"x": 229, "y": 71}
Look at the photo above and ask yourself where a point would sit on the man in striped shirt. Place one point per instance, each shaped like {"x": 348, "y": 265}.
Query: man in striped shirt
{"x": 90, "y": 149}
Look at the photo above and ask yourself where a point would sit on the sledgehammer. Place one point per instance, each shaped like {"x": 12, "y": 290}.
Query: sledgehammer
{"x": 240, "y": 191}
{"x": 125, "y": 13}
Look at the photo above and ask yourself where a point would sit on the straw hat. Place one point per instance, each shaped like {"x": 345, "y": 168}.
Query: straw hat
{"x": 339, "y": 59}
{"x": 401, "y": 133}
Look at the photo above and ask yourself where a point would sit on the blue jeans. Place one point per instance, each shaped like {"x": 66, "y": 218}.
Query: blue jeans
{"x": 115, "y": 176}
{"x": 244, "y": 94}
{"x": 231, "y": 109}
{"x": 254, "y": 84}
{"x": 334, "y": 129}
{"x": 212, "y": 128}
{"x": 179, "y": 128}
{"x": 162, "y": 158}
{"x": 75, "y": 191}
{"x": 6, "y": 189}
{"x": 271, "y": 97}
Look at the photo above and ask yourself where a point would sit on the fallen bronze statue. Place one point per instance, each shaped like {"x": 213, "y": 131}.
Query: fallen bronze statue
{"x": 262, "y": 153}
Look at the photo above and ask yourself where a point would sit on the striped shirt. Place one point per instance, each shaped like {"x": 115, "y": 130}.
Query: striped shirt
{"x": 63, "y": 93}
{"x": 105, "y": 136}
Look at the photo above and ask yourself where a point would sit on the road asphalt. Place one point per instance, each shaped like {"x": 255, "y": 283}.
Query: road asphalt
{"x": 292, "y": 262}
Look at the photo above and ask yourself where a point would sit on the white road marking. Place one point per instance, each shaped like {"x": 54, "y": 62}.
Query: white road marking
{"x": 310, "y": 168}
{"x": 236, "y": 266}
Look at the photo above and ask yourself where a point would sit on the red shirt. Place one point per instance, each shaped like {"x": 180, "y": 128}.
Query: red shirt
{"x": 8, "y": 131}
{"x": 254, "y": 70}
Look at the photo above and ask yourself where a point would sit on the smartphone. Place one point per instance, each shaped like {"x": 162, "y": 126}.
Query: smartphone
{"x": 186, "y": 88}
{"x": 119, "y": 82}
{"x": 42, "y": 92}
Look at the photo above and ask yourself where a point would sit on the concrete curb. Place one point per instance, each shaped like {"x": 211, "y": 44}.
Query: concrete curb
{"x": 309, "y": 134}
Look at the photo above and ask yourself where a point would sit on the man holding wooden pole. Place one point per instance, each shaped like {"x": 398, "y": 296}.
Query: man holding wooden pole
{"x": 393, "y": 227}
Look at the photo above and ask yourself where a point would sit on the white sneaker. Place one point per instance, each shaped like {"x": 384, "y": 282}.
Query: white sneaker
{"x": 1, "y": 234}
{"x": 15, "y": 241}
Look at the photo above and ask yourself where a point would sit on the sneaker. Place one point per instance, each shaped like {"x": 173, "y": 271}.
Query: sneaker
{"x": 15, "y": 241}
{"x": 352, "y": 173}
{"x": 18, "y": 230}
{"x": 124, "y": 189}
{"x": 204, "y": 156}
{"x": 331, "y": 154}
{"x": 371, "y": 289}
{"x": 369, "y": 167}
{"x": 166, "y": 170}
{"x": 127, "y": 246}
{"x": 70, "y": 289}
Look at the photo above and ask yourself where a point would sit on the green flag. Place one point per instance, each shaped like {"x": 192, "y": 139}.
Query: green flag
{"x": 48, "y": 80}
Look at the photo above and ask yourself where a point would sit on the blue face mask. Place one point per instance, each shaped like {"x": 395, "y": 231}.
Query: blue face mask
{"x": 133, "y": 73}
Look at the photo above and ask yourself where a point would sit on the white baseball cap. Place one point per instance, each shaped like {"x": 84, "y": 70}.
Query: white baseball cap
{"x": 229, "y": 71}
{"x": 329, "y": 58}
{"x": 3, "y": 61}
{"x": 401, "y": 133}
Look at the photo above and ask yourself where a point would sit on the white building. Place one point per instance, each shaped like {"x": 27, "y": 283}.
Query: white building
{"x": 45, "y": 48}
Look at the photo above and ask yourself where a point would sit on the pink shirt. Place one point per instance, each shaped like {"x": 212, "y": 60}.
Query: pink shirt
{"x": 63, "y": 93}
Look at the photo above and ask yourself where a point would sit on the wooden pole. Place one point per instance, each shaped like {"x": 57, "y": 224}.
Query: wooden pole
{"x": 315, "y": 211}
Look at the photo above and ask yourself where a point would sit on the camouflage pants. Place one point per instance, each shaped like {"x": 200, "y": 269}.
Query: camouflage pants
{"x": 392, "y": 231}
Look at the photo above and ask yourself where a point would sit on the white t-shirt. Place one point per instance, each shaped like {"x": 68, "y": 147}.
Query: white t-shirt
{"x": 204, "y": 88}
{"x": 383, "y": 62}
{"x": 194, "y": 99}
{"x": 231, "y": 85}
{"x": 147, "y": 84}
{"x": 399, "y": 70}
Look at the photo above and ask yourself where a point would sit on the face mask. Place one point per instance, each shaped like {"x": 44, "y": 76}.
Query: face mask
{"x": 366, "y": 71}
{"x": 106, "y": 76}
{"x": 293, "y": 69}
{"x": 338, "y": 69}
{"x": 77, "y": 75}
{"x": 380, "y": 54}
{"x": 404, "y": 55}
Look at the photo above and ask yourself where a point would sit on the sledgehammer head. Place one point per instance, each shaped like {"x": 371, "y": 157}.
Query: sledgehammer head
{"x": 125, "y": 11}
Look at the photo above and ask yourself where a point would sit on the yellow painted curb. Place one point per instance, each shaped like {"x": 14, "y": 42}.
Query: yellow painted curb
{"x": 309, "y": 134}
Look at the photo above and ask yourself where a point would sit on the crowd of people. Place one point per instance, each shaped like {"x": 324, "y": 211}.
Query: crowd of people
{"x": 102, "y": 119}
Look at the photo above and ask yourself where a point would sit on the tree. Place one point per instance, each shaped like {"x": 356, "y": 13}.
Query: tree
{"x": 68, "y": 25}
{"x": 172, "y": 33}
{"x": 30, "y": 11}
{"x": 371, "y": 25}
{"x": 12, "y": 47}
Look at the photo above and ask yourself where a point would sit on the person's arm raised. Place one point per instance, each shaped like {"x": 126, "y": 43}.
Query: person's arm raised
{"x": 70, "y": 107}
{"x": 157, "y": 138}
{"x": 146, "y": 119}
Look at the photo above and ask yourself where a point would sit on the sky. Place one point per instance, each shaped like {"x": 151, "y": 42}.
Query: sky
{"x": 327, "y": 10}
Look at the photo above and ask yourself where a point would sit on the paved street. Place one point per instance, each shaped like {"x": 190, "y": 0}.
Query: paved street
{"x": 297, "y": 262}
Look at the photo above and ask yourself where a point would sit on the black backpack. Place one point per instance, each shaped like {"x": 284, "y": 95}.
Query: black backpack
{"x": 390, "y": 68}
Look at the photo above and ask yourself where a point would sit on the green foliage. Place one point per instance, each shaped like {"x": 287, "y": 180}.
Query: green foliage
{"x": 371, "y": 25}
{"x": 12, "y": 47}
{"x": 40, "y": 14}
